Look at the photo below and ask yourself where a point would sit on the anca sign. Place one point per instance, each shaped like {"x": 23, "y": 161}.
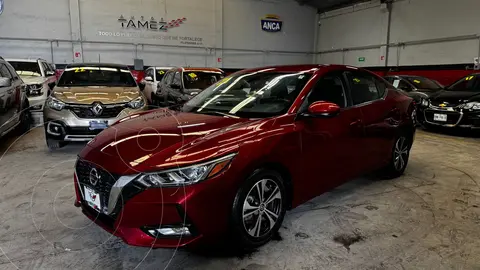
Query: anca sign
{"x": 271, "y": 23}
{"x": 151, "y": 24}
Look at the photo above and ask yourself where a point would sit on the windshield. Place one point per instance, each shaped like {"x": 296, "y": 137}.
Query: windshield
{"x": 253, "y": 95}
{"x": 160, "y": 73}
{"x": 200, "y": 79}
{"x": 423, "y": 83}
{"x": 27, "y": 68}
{"x": 469, "y": 83}
{"x": 97, "y": 76}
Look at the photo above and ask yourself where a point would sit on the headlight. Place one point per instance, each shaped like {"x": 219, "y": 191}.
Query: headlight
{"x": 55, "y": 104}
{"x": 425, "y": 102}
{"x": 470, "y": 106}
{"x": 187, "y": 175}
{"x": 34, "y": 89}
{"x": 137, "y": 103}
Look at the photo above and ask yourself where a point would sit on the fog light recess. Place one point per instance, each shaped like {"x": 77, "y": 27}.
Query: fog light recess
{"x": 169, "y": 231}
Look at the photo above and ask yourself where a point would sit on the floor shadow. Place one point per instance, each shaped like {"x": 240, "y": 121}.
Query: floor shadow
{"x": 454, "y": 132}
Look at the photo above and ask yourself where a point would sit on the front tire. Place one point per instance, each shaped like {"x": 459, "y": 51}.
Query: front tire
{"x": 258, "y": 209}
{"x": 55, "y": 144}
{"x": 399, "y": 158}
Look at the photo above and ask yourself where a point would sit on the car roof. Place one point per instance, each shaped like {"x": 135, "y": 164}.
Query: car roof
{"x": 96, "y": 65}
{"x": 165, "y": 68}
{"x": 201, "y": 69}
{"x": 22, "y": 60}
{"x": 300, "y": 68}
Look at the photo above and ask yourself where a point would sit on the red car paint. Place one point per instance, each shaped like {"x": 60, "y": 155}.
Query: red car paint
{"x": 317, "y": 154}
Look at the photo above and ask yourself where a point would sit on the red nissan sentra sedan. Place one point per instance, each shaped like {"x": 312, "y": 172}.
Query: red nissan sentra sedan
{"x": 241, "y": 153}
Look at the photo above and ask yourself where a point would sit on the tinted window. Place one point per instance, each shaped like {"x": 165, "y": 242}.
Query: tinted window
{"x": 469, "y": 83}
{"x": 27, "y": 68}
{"x": 97, "y": 76}
{"x": 363, "y": 87}
{"x": 4, "y": 72}
{"x": 12, "y": 71}
{"x": 200, "y": 79}
{"x": 177, "y": 79}
{"x": 149, "y": 73}
{"x": 45, "y": 67}
{"x": 167, "y": 80}
{"x": 423, "y": 83}
{"x": 400, "y": 84}
{"x": 159, "y": 74}
{"x": 329, "y": 88}
{"x": 262, "y": 94}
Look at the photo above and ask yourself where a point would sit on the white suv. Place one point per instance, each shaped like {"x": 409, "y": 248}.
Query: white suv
{"x": 40, "y": 78}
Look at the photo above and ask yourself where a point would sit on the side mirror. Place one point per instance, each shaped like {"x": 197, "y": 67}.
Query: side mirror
{"x": 5, "y": 82}
{"x": 141, "y": 85}
{"x": 175, "y": 86}
{"x": 323, "y": 109}
{"x": 148, "y": 79}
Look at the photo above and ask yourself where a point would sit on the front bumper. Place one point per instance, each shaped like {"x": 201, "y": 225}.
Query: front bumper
{"x": 65, "y": 125}
{"x": 203, "y": 208}
{"x": 36, "y": 106}
{"x": 455, "y": 118}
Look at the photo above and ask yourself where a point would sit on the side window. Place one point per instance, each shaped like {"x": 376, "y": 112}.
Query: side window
{"x": 148, "y": 73}
{"x": 4, "y": 72}
{"x": 167, "y": 80}
{"x": 329, "y": 88}
{"x": 12, "y": 71}
{"x": 381, "y": 86}
{"x": 402, "y": 84}
{"x": 177, "y": 79}
{"x": 363, "y": 87}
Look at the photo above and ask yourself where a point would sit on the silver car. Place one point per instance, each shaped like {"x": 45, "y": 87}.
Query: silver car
{"x": 39, "y": 77}
{"x": 87, "y": 99}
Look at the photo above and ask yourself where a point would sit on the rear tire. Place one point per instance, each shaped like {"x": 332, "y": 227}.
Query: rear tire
{"x": 399, "y": 158}
{"x": 25, "y": 121}
{"x": 55, "y": 144}
{"x": 258, "y": 209}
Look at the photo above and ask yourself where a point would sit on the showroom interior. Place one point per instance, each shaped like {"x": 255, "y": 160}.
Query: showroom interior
{"x": 135, "y": 134}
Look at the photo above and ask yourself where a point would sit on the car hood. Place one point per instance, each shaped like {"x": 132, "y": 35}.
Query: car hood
{"x": 32, "y": 79}
{"x": 152, "y": 141}
{"x": 90, "y": 94}
{"x": 454, "y": 98}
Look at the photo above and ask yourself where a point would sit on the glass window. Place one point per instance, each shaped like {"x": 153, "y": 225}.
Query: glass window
{"x": 167, "y": 80}
{"x": 363, "y": 87}
{"x": 200, "y": 79}
{"x": 27, "y": 68}
{"x": 97, "y": 76}
{"x": 469, "y": 83}
{"x": 12, "y": 71}
{"x": 423, "y": 83}
{"x": 4, "y": 72}
{"x": 250, "y": 95}
{"x": 329, "y": 88}
{"x": 177, "y": 79}
{"x": 160, "y": 73}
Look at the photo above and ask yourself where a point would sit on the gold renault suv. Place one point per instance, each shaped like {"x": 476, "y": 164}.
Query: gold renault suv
{"x": 87, "y": 99}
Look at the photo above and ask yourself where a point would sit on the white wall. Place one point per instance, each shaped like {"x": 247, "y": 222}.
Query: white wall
{"x": 411, "y": 21}
{"x": 228, "y": 29}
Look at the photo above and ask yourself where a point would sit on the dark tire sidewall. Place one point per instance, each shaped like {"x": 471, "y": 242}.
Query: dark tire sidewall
{"x": 409, "y": 145}
{"x": 237, "y": 228}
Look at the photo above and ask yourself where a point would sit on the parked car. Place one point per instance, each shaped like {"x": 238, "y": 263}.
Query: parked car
{"x": 14, "y": 106}
{"x": 242, "y": 152}
{"x": 181, "y": 84}
{"x": 153, "y": 76}
{"x": 456, "y": 106}
{"x": 40, "y": 78}
{"x": 416, "y": 87}
{"x": 87, "y": 99}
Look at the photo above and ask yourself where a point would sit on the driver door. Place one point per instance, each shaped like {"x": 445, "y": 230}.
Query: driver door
{"x": 332, "y": 149}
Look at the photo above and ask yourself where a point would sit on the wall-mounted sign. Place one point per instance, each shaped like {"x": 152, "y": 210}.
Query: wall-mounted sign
{"x": 152, "y": 24}
{"x": 361, "y": 59}
{"x": 271, "y": 23}
{"x": 2, "y": 4}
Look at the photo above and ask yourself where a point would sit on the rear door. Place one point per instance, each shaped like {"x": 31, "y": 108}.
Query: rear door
{"x": 8, "y": 103}
{"x": 368, "y": 93}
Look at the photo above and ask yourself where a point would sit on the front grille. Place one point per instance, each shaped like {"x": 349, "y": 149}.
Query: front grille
{"x": 87, "y": 112}
{"x": 452, "y": 117}
{"x": 103, "y": 186}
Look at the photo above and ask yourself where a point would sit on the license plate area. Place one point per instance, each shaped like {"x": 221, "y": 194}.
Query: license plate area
{"x": 439, "y": 117}
{"x": 98, "y": 125}
{"x": 92, "y": 198}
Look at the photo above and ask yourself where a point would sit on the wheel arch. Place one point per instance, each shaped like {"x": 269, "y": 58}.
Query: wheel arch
{"x": 286, "y": 175}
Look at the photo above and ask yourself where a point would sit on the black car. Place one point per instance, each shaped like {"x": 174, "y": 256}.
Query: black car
{"x": 456, "y": 106}
{"x": 416, "y": 87}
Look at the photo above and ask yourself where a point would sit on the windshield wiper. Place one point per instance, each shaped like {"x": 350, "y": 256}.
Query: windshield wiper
{"x": 219, "y": 113}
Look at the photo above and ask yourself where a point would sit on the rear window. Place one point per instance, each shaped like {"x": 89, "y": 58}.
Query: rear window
{"x": 200, "y": 79}
{"x": 97, "y": 76}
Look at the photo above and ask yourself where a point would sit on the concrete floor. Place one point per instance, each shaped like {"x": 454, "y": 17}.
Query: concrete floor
{"x": 427, "y": 219}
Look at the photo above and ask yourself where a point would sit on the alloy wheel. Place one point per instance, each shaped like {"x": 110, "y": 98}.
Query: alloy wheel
{"x": 401, "y": 153}
{"x": 262, "y": 208}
